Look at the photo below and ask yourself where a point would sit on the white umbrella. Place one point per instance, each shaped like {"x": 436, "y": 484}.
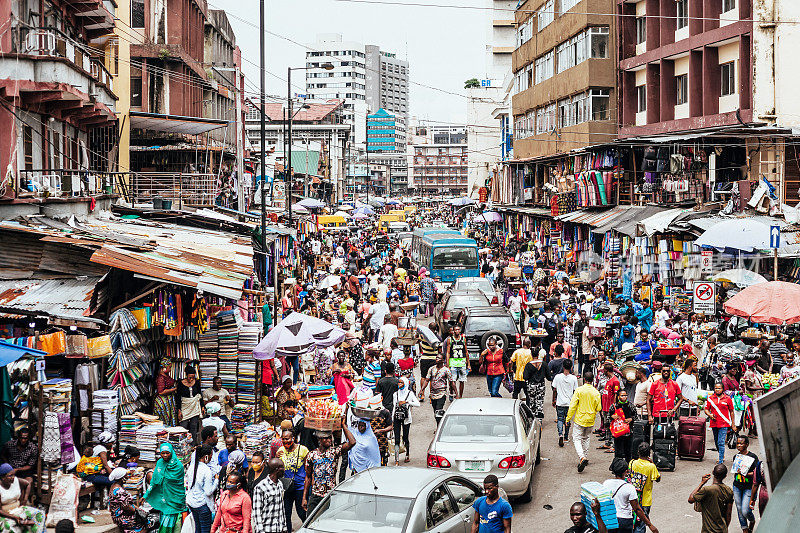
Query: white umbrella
{"x": 743, "y": 234}
{"x": 297, "y": 334}
{"x": 342, "y": 214}
{"x": 360, "y": 216}
{"x": 345, "y": 207}
{"x": 329, "y": 282}
{"x": 311, "y": 203}
{"x": 740, "y": 276}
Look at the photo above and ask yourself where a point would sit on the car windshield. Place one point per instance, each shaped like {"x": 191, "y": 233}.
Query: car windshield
{"x": 478, "y": 428}
{"x": 455, "y": 257}
{"x": 480, "y": 284}
{"x": 502, "y": 323}
{"x": 463, "y": 302}
{"x": 350, "y": 511}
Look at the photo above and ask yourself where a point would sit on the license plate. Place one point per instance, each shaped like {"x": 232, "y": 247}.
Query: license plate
{"x": 473, "y": 466}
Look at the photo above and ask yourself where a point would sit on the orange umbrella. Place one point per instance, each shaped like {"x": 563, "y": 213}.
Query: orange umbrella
{"x": 774, "y": 302}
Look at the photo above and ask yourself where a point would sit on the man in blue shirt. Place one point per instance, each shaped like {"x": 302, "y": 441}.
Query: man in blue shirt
{"x": 492, "y": 513}
{"x": 645, "y": 316}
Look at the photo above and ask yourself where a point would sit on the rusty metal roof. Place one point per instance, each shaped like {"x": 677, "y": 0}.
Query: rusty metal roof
{"x": 66, "y": 299}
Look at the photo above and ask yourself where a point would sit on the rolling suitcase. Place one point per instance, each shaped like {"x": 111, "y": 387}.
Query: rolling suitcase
{"x": 664, "y": 454}
{"x": 691, "y": 437}
{"x": 640, "y": 432}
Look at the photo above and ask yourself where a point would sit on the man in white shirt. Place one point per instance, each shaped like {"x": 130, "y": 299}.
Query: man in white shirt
{"x": 387, "y": 332}
{"x": 564, "y": 386}
{"x": 377, "y": 313}
{"x": 626, "y": 499}
{"x": 662, "y": 315}
{"x": 688, "y": 383}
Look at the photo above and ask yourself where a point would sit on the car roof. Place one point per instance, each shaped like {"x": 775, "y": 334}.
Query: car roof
{"x": 468, "y": 292}
{"x": 399, "y": 482}
{"x": 472, "y": 279}
{"x": 488, "y": 406}
{"x": 488, "y": 311}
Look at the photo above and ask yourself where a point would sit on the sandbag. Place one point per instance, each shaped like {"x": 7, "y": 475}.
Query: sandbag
{"x": 64, "y": 500}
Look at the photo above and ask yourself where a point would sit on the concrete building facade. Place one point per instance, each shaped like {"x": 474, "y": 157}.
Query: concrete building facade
{"x": 438, "y": 160}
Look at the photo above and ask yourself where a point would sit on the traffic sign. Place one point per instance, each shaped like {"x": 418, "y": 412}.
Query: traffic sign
{"x": 775, "y": 237}
{"x": 706, "y": 257}
{"x": 704, "y": 297}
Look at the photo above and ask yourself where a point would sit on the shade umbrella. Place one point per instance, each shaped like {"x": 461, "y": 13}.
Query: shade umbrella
{"x": 297, "y": 334}
{"x": 311, "y": 203}
{"x": 491, "y": 217}
{"x": 364, "y": 210}
{"x": 392, "y": 201}
{"x": 329, "y": 282}
{"x": 300, "y": 209}
{"x": 740, "y": 276}
{"x": 344, "y": 214}
{"x": 346, "y": 207}
{"x": 773, "y": 302}
{"x": 465, "y": 200}
{"x": 360, "y": 216}
{"x": 428, "y": 335}
{"x": 743, "y": 234}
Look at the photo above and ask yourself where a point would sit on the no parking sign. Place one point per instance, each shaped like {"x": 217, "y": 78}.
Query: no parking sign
{"x": 704, "y": 297}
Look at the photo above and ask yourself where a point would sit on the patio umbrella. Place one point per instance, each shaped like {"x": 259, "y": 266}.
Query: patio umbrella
{"x": 329, "y": 282}
{"x": 364, "y": 210}
{"x": 311, "y": 203}
{"x": 773, "y": 302}
{"x": 344, "y": 214}
{"x": 740, "y": 276}
{"x": 297, "y": 334}
{"x": 466, "y": 200}
{"x": 300, "y": 209}
{"x": 490, "y": 217}
{"x": 429, "y": 336}
{"x": 392, "y": 201}
{"x": 743, "y": 234}
{"x": 345, "y": 207}
{"x": 360, "y": 216}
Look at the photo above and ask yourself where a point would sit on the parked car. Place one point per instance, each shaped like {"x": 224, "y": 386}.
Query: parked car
{"x": 396, "y": 500}
{"x": 479, "y": 324}
{"x": 453, "y": 304}
{"x": 482, "y": 436}
{"x": 477, "y": 284}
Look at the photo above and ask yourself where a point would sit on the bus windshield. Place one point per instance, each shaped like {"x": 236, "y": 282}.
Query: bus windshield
{"x": 455, "y": 257}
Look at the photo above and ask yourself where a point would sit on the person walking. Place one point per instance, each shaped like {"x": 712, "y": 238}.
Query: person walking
{"x": 520, "y": 358}
{"x": 293, "y": 456}
{"x": 492, "y": 513}
{"x": 743, "y": 469}
{"x": 269, "y": 513}
{"x": 256, "y": 473}
{"x": 190, "y": 409}
{"x": 201, "y": 484}
{"x": 719, "y": 410}
{"x": 623, "y": 410}
{"x": 321, "y": 467}
{"x": 664, "y": 395}
{"x": 626, "y": 499}
{"x": 611, "y": 386}
{"x": 439, "y": 377}
{"x": 715, "y": 502}
{"x": 688, "y": 383}
{"x": 235, "y": 508}
{"x": 366, "y": 452}
{"x": 577, "y": 513}
{"x": 403, "y": 401}
{"x": 166, "y": 493}
{"x": 537, "y": 370}
{"x": 456, "y": 359}
{"x": 584, "y": 406}
{"x": 565, "y": 383}
{"x": 492, "y": 357}
{"x": 643, "y": 473}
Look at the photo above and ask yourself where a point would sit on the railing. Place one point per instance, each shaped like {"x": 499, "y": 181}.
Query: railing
{"x": 181, "y": 189}
{"x": 61, "y": 183}
{"x": 54, "y": 43}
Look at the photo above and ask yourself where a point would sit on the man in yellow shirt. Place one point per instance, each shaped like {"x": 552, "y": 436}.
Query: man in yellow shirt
{"x": 585, "y": 405}
{"x": 643, "y": 472}
{"x": 520, "y": 358}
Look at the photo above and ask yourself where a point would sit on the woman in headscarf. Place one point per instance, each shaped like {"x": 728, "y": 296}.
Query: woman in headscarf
{"x": 366, "y": 453}
{"x": 164, "y": 405}
{"x": 121, "y": 504}
{"x": 167, "y": 493}
{"x": 236, "y": 462}
{"x": 285, "y": 394}
{"x": 15, "y": 514}
{"x": 404, "y": 399}
{"x": 342, "y": 374}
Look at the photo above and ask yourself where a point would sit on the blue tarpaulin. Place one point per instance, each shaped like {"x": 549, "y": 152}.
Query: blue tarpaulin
{"x": 11, "y": 352}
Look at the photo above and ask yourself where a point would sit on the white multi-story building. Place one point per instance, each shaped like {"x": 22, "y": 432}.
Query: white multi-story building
{"x": 489, "y": 105}
{"x": 366, "y": 78}
{"x": 437, "y": 159}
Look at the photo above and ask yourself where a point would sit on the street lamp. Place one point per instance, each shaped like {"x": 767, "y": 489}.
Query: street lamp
{"x": 324, "y": 66}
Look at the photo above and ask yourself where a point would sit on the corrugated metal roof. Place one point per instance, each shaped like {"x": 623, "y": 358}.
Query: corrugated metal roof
{"x": 625, "y": 223}
{"x": 592, "y": 218}
{"x": 67, "y": 299}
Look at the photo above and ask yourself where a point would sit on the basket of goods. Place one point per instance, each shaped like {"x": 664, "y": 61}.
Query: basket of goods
{"x": 364, "y": 404}
{"x": 628, "y": 370}
{"x": 513, "y": 270}
{"x": 669, "y": 347}
{"x": 324, "y": 415}
{"x": 538, "y": 333}
{"x": 751, "y": 333}
{"x": 597, "y": 328}
{"x": 771, "y": 381}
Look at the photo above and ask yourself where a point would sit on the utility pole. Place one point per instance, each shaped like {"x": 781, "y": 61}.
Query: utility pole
{"x": 289, "y": 148}
{"x": 366, "y": 146}
{"x": 262, "y": 160}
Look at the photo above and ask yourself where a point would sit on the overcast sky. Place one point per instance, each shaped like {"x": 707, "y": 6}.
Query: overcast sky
{"x": 443, "y": 46}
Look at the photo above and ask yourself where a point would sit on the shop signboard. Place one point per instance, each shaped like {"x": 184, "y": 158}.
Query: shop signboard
{"x": 704, "y": 297}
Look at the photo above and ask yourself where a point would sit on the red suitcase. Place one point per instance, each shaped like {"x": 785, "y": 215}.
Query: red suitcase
{"x": 691, "y": 437}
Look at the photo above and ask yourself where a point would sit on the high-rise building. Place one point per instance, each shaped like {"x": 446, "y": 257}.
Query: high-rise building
{"x": 386, "y": 143}
{"x": 437, "y": 160}
{"x": 366, "y": 78}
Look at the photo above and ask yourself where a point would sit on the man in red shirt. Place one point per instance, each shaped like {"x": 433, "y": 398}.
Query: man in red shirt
{"x": 608, "y": 401}
{"x": 664, "y": 395}
{"x": 566, "y": 345}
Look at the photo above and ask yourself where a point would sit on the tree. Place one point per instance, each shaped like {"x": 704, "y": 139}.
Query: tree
{"x": 472, "y": 83}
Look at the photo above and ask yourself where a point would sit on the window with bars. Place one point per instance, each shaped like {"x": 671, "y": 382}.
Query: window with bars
{"x": 728, "y": 5}
{"x": 137, "y": 13}
{"x": 27, "y": 146}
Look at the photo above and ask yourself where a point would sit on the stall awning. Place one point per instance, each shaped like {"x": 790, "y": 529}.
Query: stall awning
{"x": 593, "y": 218}
{"x": 66, "y": 300}
{"x": 660, "y": 221}
{"x": 626, "y": 222}
{"x": 174, "y": 123}
{"x": 532, "y": 211}
{"x": 11, "y": 352}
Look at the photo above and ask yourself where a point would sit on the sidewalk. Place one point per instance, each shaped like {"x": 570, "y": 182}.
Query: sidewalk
{"x": 102, "y": 523}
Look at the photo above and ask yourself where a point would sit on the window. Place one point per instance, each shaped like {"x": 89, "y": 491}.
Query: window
{"x": 599, "y": 101}
{"x": 728, "y": 75}
{"x": 546, "y": 14}
{"x": 137, "y": 13}
{"x": 525, "y": 32}
{"x": 27, "y": 146}
{"x": 641, "y": 30}
{"x": 598, "y": 39}
{"x": 136, "y": 90}
{"x": 566, "y": 5}
{"x": 728, "y": 5}
{"x": 565, "y": 114}
{"x": 681, "y": 88}
{"x": 544, "y": 67}
{"x": 463, "y": 494}
{"x": 580, "y": 104}
{"x": 641, "y": 98}
{"x": 682, "y": 17}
